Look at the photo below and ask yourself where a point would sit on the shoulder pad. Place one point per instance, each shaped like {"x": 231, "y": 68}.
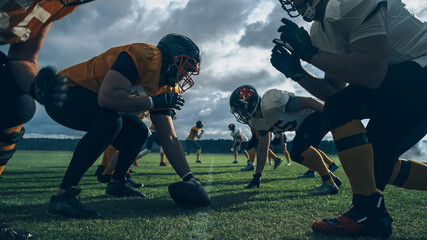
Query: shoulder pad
{"x": 273, "y": 99}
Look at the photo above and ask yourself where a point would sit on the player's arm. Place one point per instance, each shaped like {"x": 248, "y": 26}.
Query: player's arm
{"x": 321, "y": 87}
{"x": 170, "y": 142}
{"x": 23, "y": 59}
{"x": 263, "y": 146}
{"x": 311, "y": 103}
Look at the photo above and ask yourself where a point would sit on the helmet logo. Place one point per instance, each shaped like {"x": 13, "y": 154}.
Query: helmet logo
{"x": 245, "y": 94}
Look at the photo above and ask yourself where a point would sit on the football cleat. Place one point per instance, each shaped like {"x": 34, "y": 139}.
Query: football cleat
{"x": 277, "y": 163}
{"x": 288, "y": 164}
{"x": 135, "y": 163}
{"x": 69, "y": 205}
{"x": 354, "y": 222}
{"x": 325, "y": 188}
{"x": 163, "y": 164}
{"x": 198, "y": 161}
{"x": 308, "y": 174}
{"x": 133, "y": 184}
{"x": 121, "y": 189}
{"x": 10, "y": 233}
{"x": 268, "y": 163}
{"x": 333, "y": 167}
{"x": 104, "y": 178}
{"x": 249, "y": 167}
{"x": 235, "y": 161}
{"x": 337, "y": 180}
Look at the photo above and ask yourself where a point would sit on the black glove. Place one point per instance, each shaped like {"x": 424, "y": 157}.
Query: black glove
{"x": 168, "y": 100}
{"x": 287, "y": 63}
{"x": 297, "y": 40}
{"x": 191, "y": 178}
{"x": 49, "y": 88}
{"x": 256, "y": 180}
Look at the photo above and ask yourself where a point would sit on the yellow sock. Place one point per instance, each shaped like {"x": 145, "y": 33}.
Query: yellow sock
{"x": 356, "y": 159}
{"x": 325, "y": 158}
{"x": 287, "y": 156}
{"x": 8, "y": 146}
{"x": 198, "y": 154}
{"x": 271, "y": 155}
{"x": 313, "y": 160}
{"x": 412, "y": 177}
{"x": 246, "y": 154}
{"x": 252, "y": 155}
{"x": 108, "y": 155}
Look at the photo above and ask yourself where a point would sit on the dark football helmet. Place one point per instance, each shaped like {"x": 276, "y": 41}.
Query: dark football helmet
{"x": 292, "y": 10}
{"x": 69, "y": 3}
{"x": 231, "y": 127}
{"x": 244, "y": 102}
{"x": 181, "y": 60}
{"x": 199, "y": 124}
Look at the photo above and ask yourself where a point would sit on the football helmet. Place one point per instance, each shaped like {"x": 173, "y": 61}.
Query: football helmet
{"x": 231, "y": 127}
{"x": 69, "y": 3}
{"x": 181, "y": 60}
{"x": 310, "y": 11}
{"x": 244, "y": 102}
{"x": 199, "y": 124}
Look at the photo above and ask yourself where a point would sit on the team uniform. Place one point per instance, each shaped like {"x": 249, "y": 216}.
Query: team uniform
{"x": 371, "y": 154}
{"x": 281, "y": 113}
{"x": 191, "y": 143}
{"x": 21, "y": 21}
{"x": 240, "y": 142}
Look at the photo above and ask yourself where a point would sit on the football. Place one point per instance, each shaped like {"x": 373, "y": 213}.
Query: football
{"x": 188, "y": 194}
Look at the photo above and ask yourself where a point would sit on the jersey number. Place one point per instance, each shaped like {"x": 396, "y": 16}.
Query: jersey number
{"x": 283, "y": 127}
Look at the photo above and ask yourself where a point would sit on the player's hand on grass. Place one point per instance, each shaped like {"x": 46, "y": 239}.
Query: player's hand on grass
{"x": 256, "y": 180}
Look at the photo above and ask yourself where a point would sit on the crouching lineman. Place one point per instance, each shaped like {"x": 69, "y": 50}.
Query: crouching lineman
{"x": 239, "y": 139}
{"x": 104, "y": 94}
{"x": 281, "y": 111}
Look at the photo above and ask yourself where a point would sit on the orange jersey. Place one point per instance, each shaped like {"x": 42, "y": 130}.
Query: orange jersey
{"x": 193, "y": 135}
{"x": 148, "y": 62}
{"x": 22, "y": 19}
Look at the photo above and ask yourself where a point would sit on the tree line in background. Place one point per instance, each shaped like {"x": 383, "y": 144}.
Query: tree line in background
{"x": 208, "y": 146}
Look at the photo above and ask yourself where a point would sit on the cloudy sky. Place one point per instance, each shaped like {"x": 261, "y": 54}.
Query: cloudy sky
{"x": 234, "y": 36}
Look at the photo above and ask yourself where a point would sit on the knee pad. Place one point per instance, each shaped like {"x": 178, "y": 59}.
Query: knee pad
{"x": 403, "y": 174}
{"x": 8, "y": 139}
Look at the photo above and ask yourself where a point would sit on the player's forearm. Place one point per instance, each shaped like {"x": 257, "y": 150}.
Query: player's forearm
{"x": 175, "y": 154}
{"x": 319, "y": 87}
{"x": 263, "y": 146}
{"x": 121, "y": 101}
{"x": 23, "y": 72}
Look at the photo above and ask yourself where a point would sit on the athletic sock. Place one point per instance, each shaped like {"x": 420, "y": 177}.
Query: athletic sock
{"x": 313, "y": 160}
{"x": 356, "y": 156}
{"x": 252, "y": 154}
{"x": 409, "y": 174}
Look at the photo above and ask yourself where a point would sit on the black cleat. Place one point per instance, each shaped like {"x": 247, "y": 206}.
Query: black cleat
{"x": 104, "y": 178}
{"x": 133, "y": 184}
{"x": 121, "y": 189}
{"x": 10, "y": 233}
{"x": 69, "y": 205}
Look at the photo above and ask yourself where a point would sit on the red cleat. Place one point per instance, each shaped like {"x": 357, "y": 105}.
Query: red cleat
{"x": 135, "y": 163}
{"x": 354, "y": 222}
{"x": 164, "y": 164}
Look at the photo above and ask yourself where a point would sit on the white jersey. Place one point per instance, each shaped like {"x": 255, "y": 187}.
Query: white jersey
{"x": 275, "y": 118}
{"x": 346, "y": 21}
{"x": 236, "y": 135}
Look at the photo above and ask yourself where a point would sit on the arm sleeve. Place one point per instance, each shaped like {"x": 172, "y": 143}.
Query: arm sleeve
{"x": 294, "y": 104}
{"x": 125, "y": 65}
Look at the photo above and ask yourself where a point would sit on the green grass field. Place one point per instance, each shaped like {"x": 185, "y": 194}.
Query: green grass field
{"x": 281, "y": 209}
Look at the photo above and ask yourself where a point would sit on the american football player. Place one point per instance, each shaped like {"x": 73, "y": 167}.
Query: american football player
{"x": 104, "y": 93}
{"x": 190, "y": 140}
{"x": 24, "y": 25}
{"x": 375, "y": 53}
{"x": 281, "y": 111}
{"x": 239, "y": 139}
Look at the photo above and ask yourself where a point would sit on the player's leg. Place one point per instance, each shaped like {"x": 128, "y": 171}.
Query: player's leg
{"x": 129, "y": 141}
{"x": 16, "y": 107}
{"x": 332, "y": 166}
{"x": 199, "y": 151}
{"x": 276, "y": 159}
{"x": 304, "y": 144}
{"x": 110, "y": 156}
{"x": 253, "y": 142}
{"x": 82, "y": 112}
{"x": 162, "y": 158}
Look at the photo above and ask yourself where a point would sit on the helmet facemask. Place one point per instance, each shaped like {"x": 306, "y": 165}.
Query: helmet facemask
{"x": 289, "y": 7}
{"x": 309, "y": 13}
{"x": 244, "y": 102}
{"x": 185, "y": 68}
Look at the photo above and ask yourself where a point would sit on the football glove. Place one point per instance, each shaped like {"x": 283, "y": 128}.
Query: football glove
{"x": 297, "y": 40}
{"x": 238, "y": 148}
{"x": 202, "y": 131}
{"x": 48, "y": 88}
{"x": 168, "y": 100}
{"x": 191, "y": 178}
{"x": 256, "y": 180}
{"x": 286, "y": 63}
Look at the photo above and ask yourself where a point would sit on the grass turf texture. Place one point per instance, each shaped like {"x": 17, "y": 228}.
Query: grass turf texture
{"x": 281, "y": 208}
